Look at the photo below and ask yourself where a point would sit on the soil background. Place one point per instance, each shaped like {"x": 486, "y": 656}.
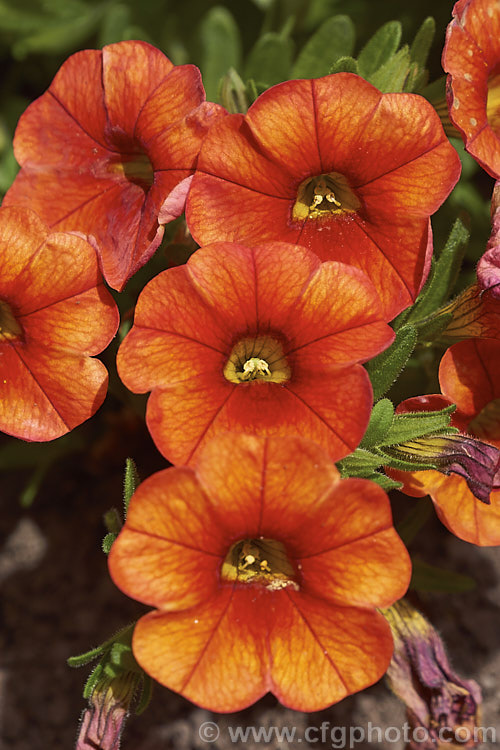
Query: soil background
{"x": 57, "y": 600}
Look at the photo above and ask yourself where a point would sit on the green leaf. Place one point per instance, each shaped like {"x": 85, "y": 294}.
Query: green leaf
{"x": 334, "y": 39}
{"x": 380, "y": 421}
{"x": 107, "y": 542}
{"x": 421, "y": 45}
{"x": 115, "y": 25}
{"x": 60, "y": 35}
{"x": 361, "y": 463}
{"x": 221, "y": 48}
{"x": 380, "y": 48}
{"x": 391, "y": 76}
{"x": 383, "y": 481}
{"x": 92, "y": 680}
{"x": 345, "y": 65}
{"x": 427, "y": 577}
{"x": 386, "y": 367}
{"x": 88, "y": 656}
{"x": 413, "y": 425}
{"x": 270, "y": 60}
{"x": 146, "y": 694}
{"x": 443, "y": 275}
{"x": 131, "y": 481}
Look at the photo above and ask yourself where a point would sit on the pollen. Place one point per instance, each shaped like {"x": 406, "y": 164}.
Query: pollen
{"x": 257, "y": 359}
{"x": 323, "y": 196}
{"x": 259, "y": 561}
{"x": 9, "y": 327}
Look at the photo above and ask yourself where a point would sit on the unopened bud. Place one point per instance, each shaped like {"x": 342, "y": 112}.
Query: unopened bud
{"x": 436, "y": 698}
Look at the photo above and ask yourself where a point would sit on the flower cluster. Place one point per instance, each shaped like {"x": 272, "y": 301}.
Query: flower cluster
{"x": 262, "y": 561}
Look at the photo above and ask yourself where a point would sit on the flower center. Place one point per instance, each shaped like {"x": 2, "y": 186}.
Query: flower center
{"x": 261, "y": 561}
{"x": 9, "y": 327}
{"x": 257, "y": 358}
{"x": 493, "y": 102}
{"x": 486, "y": 425}
{"x": 136, "y": 168}
{"x": 324, "y": 195}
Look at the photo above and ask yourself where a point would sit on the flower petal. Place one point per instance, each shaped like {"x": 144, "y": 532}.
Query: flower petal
{"x": 214, "y": 653}
{"x": 468, "y": 374}
{"x": 350, "y": 649}
{"x": 170, "y": 552}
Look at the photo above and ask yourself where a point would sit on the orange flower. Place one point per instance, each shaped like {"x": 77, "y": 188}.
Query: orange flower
{"x": 334, "y": 165}
{"x": 54, "y": 313}
{"x": 471, "y": 56}
{"x": 265, "y": 569}
{"x": 109, "y": 147}
{"x": 468, "y": 375}
{"x": 264, "y": 340}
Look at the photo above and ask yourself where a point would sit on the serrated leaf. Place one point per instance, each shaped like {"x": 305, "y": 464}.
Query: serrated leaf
{"x": 413, "y": 425}
{"x": 421, "y": 45}
{"x": 443, "y": 275}
{"x": 270, "y": 60}
{"x": 334, "y": 39}
{"x": 380, "y": 48}
{"x": 221, "y": 48}
{"x": 386, "y": 367}
{"x": 345, "y": 65}
{"x": 379, "y": 424}
{"x": 427, "y": 577}
{"x": 391, "y": 77}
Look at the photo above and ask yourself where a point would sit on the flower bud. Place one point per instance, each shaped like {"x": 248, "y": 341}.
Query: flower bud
{"x": 475, "y": 461}
{"x": 436, "y": 698}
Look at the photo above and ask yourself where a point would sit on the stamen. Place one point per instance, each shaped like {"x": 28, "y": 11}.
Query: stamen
{"x": 257, "y": 359}
{"x": 259, "y": 561}
{"x": 9, "y": 327}
{"x": 323, "y": 196}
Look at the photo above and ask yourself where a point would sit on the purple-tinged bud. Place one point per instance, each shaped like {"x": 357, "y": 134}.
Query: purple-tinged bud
{"x": 441, "y": 704}
{"x": 103, "y": 720}
{"x": 475, "y": 461}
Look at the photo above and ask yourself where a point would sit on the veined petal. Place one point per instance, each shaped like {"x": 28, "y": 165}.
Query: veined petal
{"x": 214, "y": 653}
{"x": 136, "y": 68}
{"x": 45, "y": 392}
{"x": 289, "y": 472}
{"x": 468, "y": 374}
{"x": 350, "y": 649}
{"x": 171, "y": 550}
{"x": 337, "y": 320}
{"x": 254, "y": 287}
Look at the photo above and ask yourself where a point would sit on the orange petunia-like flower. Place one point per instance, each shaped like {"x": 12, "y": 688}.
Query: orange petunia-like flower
{"x": 109, "y": 148}
{"x": 336, "y": 166}
{"x": 54, "y": 314}
{"x": 468, "y": 375}
{"x": 264, "y": 339}
{"x": 471, "y": 57}
{"x": 265, "y": 569}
